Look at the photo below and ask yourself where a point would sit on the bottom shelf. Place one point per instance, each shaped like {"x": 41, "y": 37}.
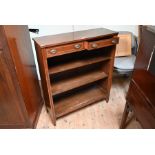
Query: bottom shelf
{"x": 77, "y": 99}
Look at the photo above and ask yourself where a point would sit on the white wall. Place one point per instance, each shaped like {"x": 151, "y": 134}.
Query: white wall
{"x": 51, "y": 29}
{"x": 131, "y": 28}
{"x": 56, "y": 29}
{"x": 85, "y": 27}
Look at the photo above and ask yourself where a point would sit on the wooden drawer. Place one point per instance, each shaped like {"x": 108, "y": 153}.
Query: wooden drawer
{"x": 102, "y": 43}
{"x": 64, "y": 49}
{"x": 142, "y": 109}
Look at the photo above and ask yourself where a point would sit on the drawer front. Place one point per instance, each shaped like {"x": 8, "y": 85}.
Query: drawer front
{"x": 102, "y": 43}
{"x": 143, "y": 111}
{"x": 65, "y": 49}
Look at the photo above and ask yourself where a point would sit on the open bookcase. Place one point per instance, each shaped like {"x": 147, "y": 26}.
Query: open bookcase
{"x": 78, "y": 79}
{"x": 75, "y": 75}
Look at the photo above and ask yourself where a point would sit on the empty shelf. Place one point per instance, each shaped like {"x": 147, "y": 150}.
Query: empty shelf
{"x": 60, "y": 67}
{"x": 70, "y": 83}
{"x": 78, "y": 99}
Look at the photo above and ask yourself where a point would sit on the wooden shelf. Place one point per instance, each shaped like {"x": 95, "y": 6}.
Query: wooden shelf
{"x": 78, "y": 99}
{"x": 61, "y": 67}
{"x": 70, "y": 83}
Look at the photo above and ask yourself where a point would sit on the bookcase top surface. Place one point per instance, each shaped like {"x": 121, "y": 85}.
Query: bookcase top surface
{"x": 64, "y": 38}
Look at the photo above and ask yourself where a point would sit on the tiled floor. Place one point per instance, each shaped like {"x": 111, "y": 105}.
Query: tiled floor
{"x": 101, "y": 115}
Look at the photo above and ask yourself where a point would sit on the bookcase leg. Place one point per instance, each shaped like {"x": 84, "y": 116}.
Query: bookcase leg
{"x": 125, "y": 115}
{"x": 107, "y": 99}
{"x": 51, "y": 116}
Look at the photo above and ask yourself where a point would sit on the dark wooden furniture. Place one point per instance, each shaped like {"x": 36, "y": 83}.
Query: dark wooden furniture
{"x": 76, "y": 69}
{"x": 20, "y": 95}
{"x": 141, "y": 94}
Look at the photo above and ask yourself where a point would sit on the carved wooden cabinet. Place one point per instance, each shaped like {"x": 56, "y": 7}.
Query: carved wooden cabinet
{"x": 20, "y": 95}
{"x": 76, "y": 69}
{"x": 141, "y": 95}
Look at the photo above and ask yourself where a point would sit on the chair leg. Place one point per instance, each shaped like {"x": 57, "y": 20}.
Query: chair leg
{"x": 125, "y": 115}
